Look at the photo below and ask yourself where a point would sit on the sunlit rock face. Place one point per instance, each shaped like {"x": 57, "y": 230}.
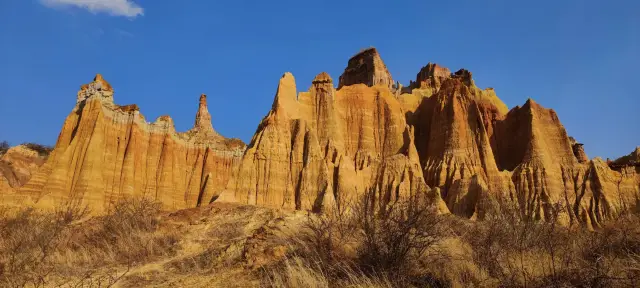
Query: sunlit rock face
{"x": 324, "y": 147}
{"x": 106, "y": 152}
{"x": 479, "y": 154}
{"x": 367, "y": 68}
{"x": 441, "y": 138}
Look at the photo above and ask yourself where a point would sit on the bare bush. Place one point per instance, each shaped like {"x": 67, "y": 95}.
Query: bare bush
{"x": 28, "y": 240}
{"x": 525, "y": 252}
{"x": 126, "y": 234}
{"x": 397, "y": 234}
{"x": 326, "y": 235}
{"x": 383, "y": 244}
{"x": 63, "y": 245}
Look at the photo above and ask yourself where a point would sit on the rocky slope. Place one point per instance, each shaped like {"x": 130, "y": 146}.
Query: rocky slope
{"x": 633, "y": 159}
{"x": 19, "y": 163}
{"x": 441, "y": 137}
{"x": 106, "y": 152}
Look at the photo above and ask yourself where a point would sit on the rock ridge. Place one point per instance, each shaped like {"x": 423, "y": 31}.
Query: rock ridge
{"x": 107, "y": 152}
{"x": 441, "y": 138}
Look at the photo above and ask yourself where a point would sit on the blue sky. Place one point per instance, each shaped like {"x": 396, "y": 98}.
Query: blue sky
{"x": 580, "y": 58}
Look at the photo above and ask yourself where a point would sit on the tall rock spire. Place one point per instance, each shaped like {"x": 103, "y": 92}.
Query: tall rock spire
{"x": 203, "y": 118}
{"x": 286, "y": 102}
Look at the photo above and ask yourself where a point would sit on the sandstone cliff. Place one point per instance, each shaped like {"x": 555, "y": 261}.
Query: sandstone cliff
{"x": 326, "y": 146}
{"x": 479, "y": 154}
{"x": 19, "y": 163}
{"x": 320, "y": 147}
{"x": 441, "y": 138}
{"x": 106, "y": 151}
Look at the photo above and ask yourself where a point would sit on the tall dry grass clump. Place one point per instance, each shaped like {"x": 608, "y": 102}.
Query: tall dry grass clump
{"x": 519, "y": 251}
{"x": 405, "y": 244}
{"x": 29, "y": 239}
{"x": 357, "y": 244}
{"x": 127, "y": 234}
{"x": 66, "y": 246}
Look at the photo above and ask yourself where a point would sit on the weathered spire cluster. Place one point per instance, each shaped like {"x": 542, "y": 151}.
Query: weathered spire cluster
{"x": 441, "y": 138}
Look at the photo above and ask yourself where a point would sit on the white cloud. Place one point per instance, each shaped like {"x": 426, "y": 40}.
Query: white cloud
{"x": 114, "y": 7}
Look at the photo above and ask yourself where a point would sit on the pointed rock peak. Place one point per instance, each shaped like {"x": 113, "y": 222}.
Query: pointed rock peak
{"x": 633, "y": 159}
{"x": 102, "y": 84}
{"x": 287, "y": 87}
{"x": 287, "y": 76}
{"x": 286, "y": 99}
{"x": 465, "y": 76}
{"x": 203, "y": 118}
{"x": 367, "y": 68}
{"x": 530, "y": 104}
{"x": 323, "y": 77}
{"x": 97, "y": 86}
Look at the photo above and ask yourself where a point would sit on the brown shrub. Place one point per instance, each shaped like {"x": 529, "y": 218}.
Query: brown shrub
{"x": 524, "y": 252}
{"x": 38, "y": 248}
{"x": 397, "y": 234}
{"x": 127, "y": 234}
{"x": 28, "y": 239}
{"x": 411, "y": 247}
{"x": 353, "y": 243}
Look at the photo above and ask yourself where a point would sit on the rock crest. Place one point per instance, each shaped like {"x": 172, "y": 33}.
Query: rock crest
{"x": 430, "y": 76}
{"x": 367, "y": 68}
{"x": 106, "y": 152}
{"x": 327, "y": 146}
{"x": 441, "y": 138}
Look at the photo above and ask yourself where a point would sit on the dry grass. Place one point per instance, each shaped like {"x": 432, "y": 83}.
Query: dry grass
{"x": 299, "y": 272}
{"x": 362, "y": 245}
{"x": 63, "y": 247}
{"x": 405, "y": 245}
{"x": 519, "y": 252}
{"x": 356, "y": 245}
